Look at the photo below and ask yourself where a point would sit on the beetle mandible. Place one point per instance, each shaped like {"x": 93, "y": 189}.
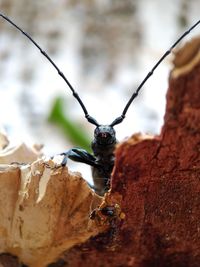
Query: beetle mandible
{"x": 103, "y": 144}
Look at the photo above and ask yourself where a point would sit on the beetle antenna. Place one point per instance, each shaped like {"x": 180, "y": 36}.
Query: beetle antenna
{"x": 74, "y": 93}
{"x": 135, "y": 94}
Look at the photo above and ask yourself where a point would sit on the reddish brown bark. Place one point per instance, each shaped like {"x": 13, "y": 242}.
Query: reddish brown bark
{"x": 156, "y": 183}
{"x": 159, "y": 181}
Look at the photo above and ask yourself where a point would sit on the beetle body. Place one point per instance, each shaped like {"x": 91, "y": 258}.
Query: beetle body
{"x": 102, "y": 160}
{"x": 103, "y": 147}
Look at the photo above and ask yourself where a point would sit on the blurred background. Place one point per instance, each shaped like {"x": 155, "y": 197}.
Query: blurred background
{"x": 105, "y": 48}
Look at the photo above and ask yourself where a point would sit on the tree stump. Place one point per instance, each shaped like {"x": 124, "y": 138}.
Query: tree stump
{"x": 155, "y": 189}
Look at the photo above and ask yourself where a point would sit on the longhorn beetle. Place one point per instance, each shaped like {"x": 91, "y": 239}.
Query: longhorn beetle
{"x": 103, "y": 145}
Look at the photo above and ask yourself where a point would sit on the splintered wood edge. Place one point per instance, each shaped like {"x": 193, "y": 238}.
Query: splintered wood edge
{"x": 44, "y": 210}
{"x": 186, "y": 58}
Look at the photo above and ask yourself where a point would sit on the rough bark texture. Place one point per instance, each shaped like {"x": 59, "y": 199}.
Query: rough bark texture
{"x": 158, "y": 179}
{"x": 155, "y": 184}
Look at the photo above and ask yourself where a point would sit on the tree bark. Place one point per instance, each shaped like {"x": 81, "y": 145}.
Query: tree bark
{"x": 158, "y": 180}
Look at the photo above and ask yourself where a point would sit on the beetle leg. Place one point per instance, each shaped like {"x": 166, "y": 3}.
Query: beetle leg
{"x": 79, "y": 155}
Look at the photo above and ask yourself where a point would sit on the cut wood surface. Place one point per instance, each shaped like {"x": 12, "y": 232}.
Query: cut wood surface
{"x": 155, "y": 193}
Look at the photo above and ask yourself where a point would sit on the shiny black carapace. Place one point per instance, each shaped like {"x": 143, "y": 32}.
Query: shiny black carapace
{"x": 103, "y": 145}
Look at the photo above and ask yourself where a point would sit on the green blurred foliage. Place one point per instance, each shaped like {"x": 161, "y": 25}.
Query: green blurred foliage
{"x": 71, "y": 129}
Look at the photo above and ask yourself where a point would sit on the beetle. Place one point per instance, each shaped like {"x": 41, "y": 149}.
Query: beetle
{"x": 104, "y": 142}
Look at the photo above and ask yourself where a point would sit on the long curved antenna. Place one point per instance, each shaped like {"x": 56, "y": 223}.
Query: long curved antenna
{"x": 134, "y": 95}
{"x": 75, "y": 94}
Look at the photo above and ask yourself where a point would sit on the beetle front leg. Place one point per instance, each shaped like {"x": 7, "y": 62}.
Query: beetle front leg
{"x": 79, "y": 155}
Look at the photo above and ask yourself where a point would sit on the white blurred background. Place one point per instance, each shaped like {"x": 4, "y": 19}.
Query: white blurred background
{"x": 104, "y": 47}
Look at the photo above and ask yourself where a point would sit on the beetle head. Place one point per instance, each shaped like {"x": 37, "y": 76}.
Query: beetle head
{"x": 105, "y": 135}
